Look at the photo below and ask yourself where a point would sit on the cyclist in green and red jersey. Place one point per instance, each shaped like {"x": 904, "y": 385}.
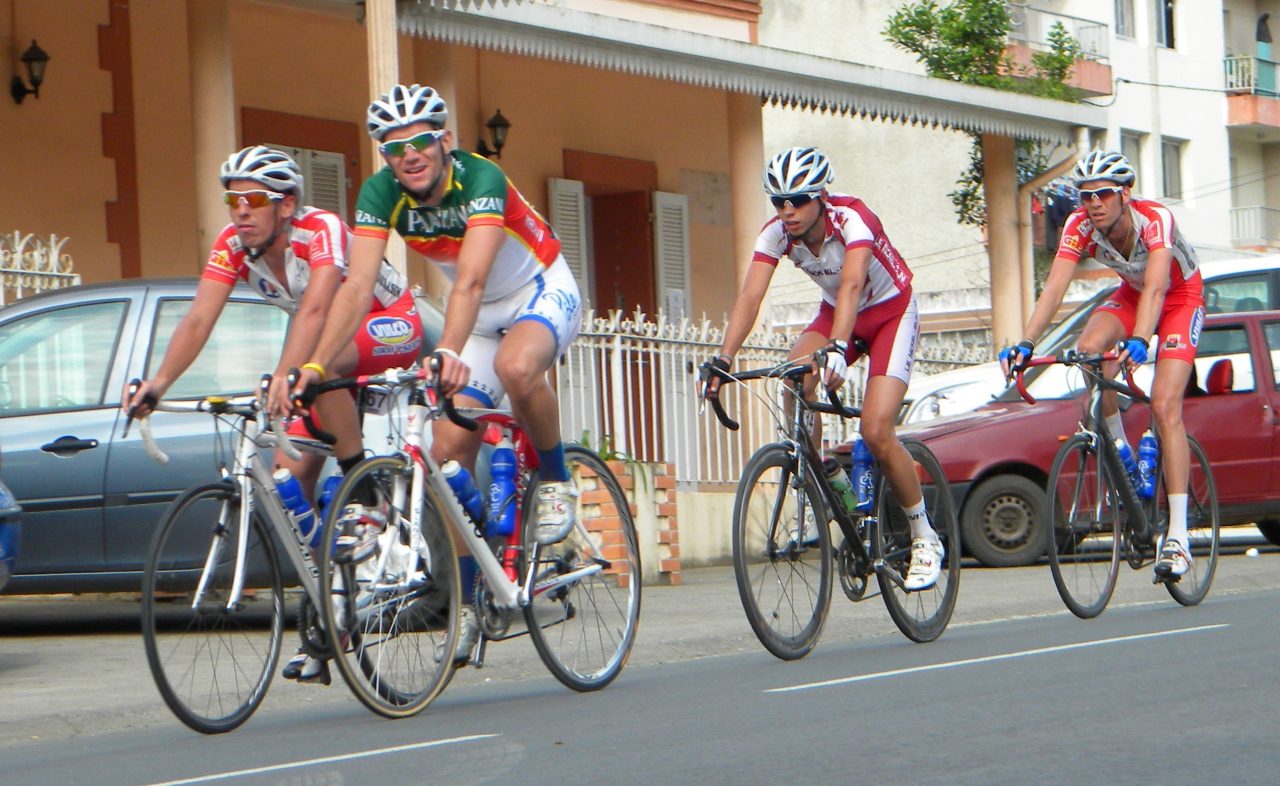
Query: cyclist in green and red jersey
{"x": 514, "y": 306}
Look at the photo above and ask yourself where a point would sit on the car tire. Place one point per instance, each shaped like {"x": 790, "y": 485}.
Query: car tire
{"x": 1003, "y": 521}
{"x": 1270, "y": 529}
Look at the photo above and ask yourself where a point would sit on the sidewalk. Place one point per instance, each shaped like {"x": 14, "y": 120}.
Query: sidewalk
{"x": 72, "y": 666}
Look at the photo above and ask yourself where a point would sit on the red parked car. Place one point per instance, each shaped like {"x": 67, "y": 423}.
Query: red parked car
{"x": 997, "y": 457}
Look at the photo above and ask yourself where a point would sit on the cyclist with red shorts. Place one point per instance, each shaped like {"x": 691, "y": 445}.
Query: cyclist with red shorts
{"x": 866, "y": 296}
{"x": 1162, "y": 292}
{"x": 295, "y": 257}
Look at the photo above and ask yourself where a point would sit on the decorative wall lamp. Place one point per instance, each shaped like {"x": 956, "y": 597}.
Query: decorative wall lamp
{"x": 33, "y": 60}
{"x": 498, "y": 126}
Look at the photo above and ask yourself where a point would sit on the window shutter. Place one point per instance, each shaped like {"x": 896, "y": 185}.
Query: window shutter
{"x": 324, "y": 179}
{"x": 671, "y": 247}
{"x": 569, "y": 220}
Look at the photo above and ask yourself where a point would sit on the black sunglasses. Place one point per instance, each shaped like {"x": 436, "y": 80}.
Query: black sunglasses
{"x": 795, "y": 200}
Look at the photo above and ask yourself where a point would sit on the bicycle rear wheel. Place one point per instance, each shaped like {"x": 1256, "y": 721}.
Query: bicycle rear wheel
{"x": 1202, "y": 528}
{"x": 212, "y": 663}
{"x": 784, "y": 582}
{"x": 921, "y": 615}
{"x": 392, "y": 617}
{"x": 1084, "y": 527}
{"x": 584, "y": 629}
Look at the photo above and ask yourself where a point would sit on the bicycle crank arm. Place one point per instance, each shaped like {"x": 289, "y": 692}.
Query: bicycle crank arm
{"x": 883, "y": 570}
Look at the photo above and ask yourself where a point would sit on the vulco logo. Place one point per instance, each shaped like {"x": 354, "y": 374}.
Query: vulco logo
{"x": 390, "y": 330}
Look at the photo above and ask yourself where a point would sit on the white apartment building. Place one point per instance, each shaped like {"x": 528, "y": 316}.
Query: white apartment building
{"x": 1161, "y": 69}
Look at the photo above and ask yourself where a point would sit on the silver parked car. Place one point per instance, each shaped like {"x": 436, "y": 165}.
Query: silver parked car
{"x": 90, "y": 499}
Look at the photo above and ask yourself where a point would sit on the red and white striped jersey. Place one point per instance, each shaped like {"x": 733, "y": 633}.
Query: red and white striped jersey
{"x": 1156, "y": 229}
{"x": 316, "y": 238}
{"x": 850, "y": 224}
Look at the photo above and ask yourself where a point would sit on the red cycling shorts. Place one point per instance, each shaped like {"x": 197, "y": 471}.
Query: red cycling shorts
{"x": 1180, "y": 323}
{"x": 890, "y": 330}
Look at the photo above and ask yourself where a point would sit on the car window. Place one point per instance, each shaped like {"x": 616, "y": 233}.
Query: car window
{"x": 1271, "y": 331}
{"x": 1228, "y": 295}
{"x": 1061, "y": 335}
{"x": 1225, "y": 342}
{"x": 245, "y": 343}
{"x": 59, "y": 358}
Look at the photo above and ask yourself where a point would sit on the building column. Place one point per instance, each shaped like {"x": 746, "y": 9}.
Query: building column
{"x": 381, "y": 38}
{"x": 213, "y": 112}
{"x": 1000, "y": 187}
{"x": 746, "y": 156}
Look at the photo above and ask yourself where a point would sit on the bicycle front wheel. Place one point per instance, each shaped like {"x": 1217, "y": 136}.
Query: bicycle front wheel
{"x": 583, "y": 628}
{"x": 1202, "y": 528}
{"x": 211, "y": 659}
{"x": 782, "y": 552}
{"x": 1084, "y": 527}
{"x": 921, "y": 615}
{"x": 392, "y": 616}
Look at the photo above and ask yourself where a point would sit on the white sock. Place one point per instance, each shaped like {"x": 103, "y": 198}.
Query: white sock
{"x": 1115, "y": 424}
{"x": 919, "y": 521}
{"x": 1178, "y": 519}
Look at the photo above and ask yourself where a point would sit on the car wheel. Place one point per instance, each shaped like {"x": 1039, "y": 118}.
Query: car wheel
{"x": 1270, "y": 530}
{"x": 1003, "y": 521}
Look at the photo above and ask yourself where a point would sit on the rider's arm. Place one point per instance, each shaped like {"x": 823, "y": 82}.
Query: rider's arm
{"x": 190, "y": 336}
{"x": 353, "y": 299}
{"x": 857, "y": 261}
{"x": 1055, "y": 288}
{"x": 747, "y": 307}
{"x": 480, "y": 246}
{"x": 1155, "y": 284}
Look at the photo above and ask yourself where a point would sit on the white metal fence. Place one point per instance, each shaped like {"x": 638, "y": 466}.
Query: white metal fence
{"x": 1250, "y": 75}
{"x": 1031, "y": 26}
{"x": 29, "y": 265}
{"x": 629, "y": 385}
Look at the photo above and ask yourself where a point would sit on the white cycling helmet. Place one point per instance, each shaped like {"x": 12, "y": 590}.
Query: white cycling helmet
{"x": 261, "y": 164}
{"x": 1101, "y": 165}
{"x": 403, "y": 106}
{"x": 800, "y": 170}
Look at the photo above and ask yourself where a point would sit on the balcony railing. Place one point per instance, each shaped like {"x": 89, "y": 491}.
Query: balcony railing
{"x": 1251, "y": 75}
{"x": 1031, "y": 26}
{"x": 1255, "y": 226}
{"x": 29, "y": 265}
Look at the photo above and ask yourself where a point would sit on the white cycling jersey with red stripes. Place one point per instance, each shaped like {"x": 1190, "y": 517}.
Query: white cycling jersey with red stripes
{"x": 850, "y": 224}
{"x": 1156, "y": 229}
{"x": 316, "y": 238}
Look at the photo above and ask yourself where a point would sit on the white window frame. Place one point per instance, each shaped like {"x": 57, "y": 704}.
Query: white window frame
{"x": 1124, "y": 19}
{"x": 1171, "y": 175}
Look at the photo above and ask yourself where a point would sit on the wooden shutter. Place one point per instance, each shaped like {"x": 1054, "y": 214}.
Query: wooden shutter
{"x": 569, "y": 220}
{"x": 671, "y": 251}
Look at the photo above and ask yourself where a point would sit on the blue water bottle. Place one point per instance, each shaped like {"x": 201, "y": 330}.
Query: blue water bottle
{"x": 502, "y": 491}
{"x": 327, "y": 491}
{"x": 863, "y": 478}
{"x": 464, "y": 488}
{"x": 296, "y": 501}
{"x": 1148, "y": 459}
{"x": 1130, "y": 463}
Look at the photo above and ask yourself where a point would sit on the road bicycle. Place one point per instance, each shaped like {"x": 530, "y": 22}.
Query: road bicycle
{"x": 394, "y": 616}
{"x": 1095, "y": 513}
{"x": 213, "y": 590}
{"x": 784, "y": 580}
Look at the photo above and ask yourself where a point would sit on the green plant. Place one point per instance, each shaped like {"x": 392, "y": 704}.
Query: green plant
{"x": 605, "y": 450}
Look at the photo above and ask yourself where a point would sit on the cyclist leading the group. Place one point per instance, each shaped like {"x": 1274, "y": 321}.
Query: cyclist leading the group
{"x": 866, "y": 295}
{"x": 294, "y": 257}
{"x": 1161, "y": 292}
{"x": 512, "y": 311}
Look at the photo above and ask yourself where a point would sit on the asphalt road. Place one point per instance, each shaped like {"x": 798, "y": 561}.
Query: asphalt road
{"x": 1017, "y": 690}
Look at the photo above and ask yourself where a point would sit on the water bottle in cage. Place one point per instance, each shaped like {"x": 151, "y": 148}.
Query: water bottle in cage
{"x": 300, "y": 510}
{"x": 464, "y": 488}
{"x": 1148, "y": 459}
{"x": 864, "y": 476}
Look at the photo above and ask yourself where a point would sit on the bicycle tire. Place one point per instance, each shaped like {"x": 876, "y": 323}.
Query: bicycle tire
{"x": 784, "y": 585}
{"x": 1202, "y": 528}
{"x": 584, "y": 630}
{"x": 922, "y": 615}
{"x": 390, "y": 638}
{"x": 1084, "y": 527}
{"x": 212, "y": 665}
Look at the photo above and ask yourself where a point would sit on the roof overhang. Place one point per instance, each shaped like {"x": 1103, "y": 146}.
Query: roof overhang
{"x": 776, "y": 75}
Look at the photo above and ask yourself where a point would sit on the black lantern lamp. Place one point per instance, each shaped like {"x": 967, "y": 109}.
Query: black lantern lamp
{"x": 33, "y": 60}
{"x": 498, "y": 127}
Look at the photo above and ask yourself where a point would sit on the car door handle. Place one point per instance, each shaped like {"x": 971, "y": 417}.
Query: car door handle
{"x": 69, "y": 445}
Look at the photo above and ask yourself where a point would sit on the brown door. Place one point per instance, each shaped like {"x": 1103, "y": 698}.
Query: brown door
{"x": 623, "y": 253}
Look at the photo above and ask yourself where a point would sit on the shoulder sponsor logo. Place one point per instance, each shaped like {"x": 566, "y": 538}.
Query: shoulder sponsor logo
{"x": 390, "y": 330}
{"x": 365, "y": 217}
{"x": 487, "y": 205}
{"x": 221, "y": 258}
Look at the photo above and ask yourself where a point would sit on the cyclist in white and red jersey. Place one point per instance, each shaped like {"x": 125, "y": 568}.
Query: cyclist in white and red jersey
{"x": 866, "y": 296}
{"x": 1162, "y": 293}
{"x": 514, "y": 307}
{"x": 295, "y": 257}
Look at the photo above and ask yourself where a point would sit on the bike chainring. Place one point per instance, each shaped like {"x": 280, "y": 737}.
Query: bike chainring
{"x": 494, "y": 622}
{"x": 314, "y": 641}
{"x": 854, "y": 572}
